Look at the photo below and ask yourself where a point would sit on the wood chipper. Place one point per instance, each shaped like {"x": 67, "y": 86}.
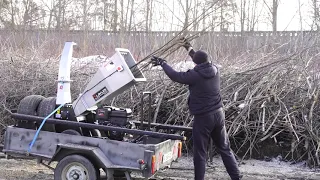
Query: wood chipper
{"x": 87, "y": 135}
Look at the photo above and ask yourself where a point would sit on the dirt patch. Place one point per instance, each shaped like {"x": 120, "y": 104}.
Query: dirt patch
{"x": 251, "y": 170}
{"x": 18, "y": 169}
{"x": 12, "y": 169}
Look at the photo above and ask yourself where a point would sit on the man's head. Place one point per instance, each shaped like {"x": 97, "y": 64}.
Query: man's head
{"x": 200, "y": 57}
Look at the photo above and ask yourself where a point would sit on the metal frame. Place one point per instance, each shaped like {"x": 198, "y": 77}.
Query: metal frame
{"x": 96, "y": 126}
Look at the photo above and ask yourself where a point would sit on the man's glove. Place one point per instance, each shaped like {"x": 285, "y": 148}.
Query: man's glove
{"x": 157, "y": 61}
{"x": 186, "y": 43}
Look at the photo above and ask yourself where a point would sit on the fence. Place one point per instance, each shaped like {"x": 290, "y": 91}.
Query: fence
{"x": 219, "y": 44}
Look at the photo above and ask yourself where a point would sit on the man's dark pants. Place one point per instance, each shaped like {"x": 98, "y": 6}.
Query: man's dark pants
{"x": 212, "y": 125}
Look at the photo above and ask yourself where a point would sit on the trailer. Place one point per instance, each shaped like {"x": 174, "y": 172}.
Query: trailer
{"x": 88, "y": 136}
{"x": 81, "y": 157}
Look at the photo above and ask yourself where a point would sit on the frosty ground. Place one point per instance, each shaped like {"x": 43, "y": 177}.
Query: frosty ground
{"x": 21, "y": 169}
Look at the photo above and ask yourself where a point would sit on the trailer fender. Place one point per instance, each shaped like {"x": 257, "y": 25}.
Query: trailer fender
{"x": 94, "y": 154}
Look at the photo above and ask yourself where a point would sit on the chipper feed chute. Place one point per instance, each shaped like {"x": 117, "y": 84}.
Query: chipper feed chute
{"x": 118, "y": 74}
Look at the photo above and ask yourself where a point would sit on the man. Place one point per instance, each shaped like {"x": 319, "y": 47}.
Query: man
{"x": 205, "y": 105}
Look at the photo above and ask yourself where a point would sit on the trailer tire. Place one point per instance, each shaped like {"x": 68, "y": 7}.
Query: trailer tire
{"x": 46, "y": 107}
{"x": 29, "y": 105}
{"x": 75, "y": 165}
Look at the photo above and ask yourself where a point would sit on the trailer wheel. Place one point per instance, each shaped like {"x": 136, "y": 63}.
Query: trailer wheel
{"x": 46, "y": 106}
{"x": 28, "y": 105}
{"x": 75, "y": 167}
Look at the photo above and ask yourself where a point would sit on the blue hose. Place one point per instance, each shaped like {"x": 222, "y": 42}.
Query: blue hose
{"x": 43, "y": 121}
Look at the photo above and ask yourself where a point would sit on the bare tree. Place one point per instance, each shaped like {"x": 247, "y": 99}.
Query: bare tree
{"x": 222, "y": 14}
{"x": 225, "y": 8}
{"x": 31, "y": 13}
{"x": 57, "y": 10}
{"x": 275, "y": 4}
{"x": 300, "y": 16}
{"x": 315, "y": 16}
{"x": 122, "y": 24}
{"x": 242, "y": 14}
{"x": 20, "y": 13}
{"x": 131, "y": 15}
{"x": 58, "y": 16}
{"x": 187, "y": 10}
{"x": 106, "y": 17}
{"x": 274, "y": 13}
{"x": 85, "y": 15}
{"x": 115, "y": 16}
{"x": 148, "y": 14}
{"x": 4, "y": 6}
{"x": 127, "y": 13}
{"x": 254, "y": 17}
{"x": 9, "y": 12}
{"x": 195, "y": 15}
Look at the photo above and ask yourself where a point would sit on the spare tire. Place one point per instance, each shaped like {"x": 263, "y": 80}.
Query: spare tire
{"x": 29, "y": 105}
{"x": 46, "y": 107}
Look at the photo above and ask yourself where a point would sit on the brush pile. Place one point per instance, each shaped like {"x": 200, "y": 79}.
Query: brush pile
{"x": 270, "y": 99}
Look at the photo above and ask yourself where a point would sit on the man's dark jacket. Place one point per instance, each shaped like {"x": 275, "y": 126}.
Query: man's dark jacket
{"x": 204, "y": 86}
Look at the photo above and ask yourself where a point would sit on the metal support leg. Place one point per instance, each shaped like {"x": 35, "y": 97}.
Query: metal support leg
{"x": 141, "y": 116}
{"x": 128, "y": 176}
{"x": 149, "y": 110}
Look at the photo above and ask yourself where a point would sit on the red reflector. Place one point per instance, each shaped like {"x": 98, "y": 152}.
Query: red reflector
{"x": 119, "y": 68}
{"x": 153, "y": 164}
{"x": 141, "y": 161}
{"x": 179, "y": 149}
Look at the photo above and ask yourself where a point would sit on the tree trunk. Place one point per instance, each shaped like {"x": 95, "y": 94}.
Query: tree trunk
{"x": 150, "y": 16}
{"x": 58, "y": 26}
{"x": 242, "y": 14}
{"x": 253, "y": 16}
{"x": 247, "y": 18}
{"x": 195, "y": 15}
{"x": 221, "y": 18}
{"x": 85, "y": 15}
{"x": 186, "y": 20}
{"x": 122, "y": 18}
{"x": 126, "y": 19}
{"x": 274, "y": 15}
{"x": 204, "y": 19}
{"x": 131, "y": 15}
{"x": 300, "y": 16}
{"x": 50, "y": 19}
{"x": 105, "y": 14}
{"x": 63, "y": 23}
{"x": 12, "y": 15}
{"x": 147, "y": 15}
{"x": 115, "y": 16}
{"x": 172, "y": 17}
{"x": 315, "y": 14}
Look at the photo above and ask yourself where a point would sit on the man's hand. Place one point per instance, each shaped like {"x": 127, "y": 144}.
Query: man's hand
{"x": 157, "y": 61}
{"x": 186, "y": 44}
